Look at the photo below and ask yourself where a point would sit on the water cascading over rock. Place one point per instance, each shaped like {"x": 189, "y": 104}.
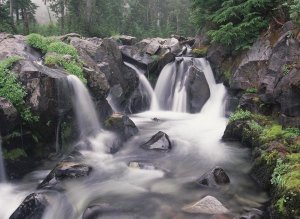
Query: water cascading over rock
{"x": 145, "y": 96}
{"x": 85, "y": 112}
{"x": 2, "y": 168}
{"x": 183, "y": 85}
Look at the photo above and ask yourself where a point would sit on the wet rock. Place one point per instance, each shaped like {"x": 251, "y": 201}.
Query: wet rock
{"x": 152, "y": 48}
{"x": 104, "y": 110}
{"x": 122, "y": 125}
{"x": 65, "y": 170}
{"x": 207, "y": 205}
{"x": 108, "y": 211}
{"x": 250, "y": 102}
{"x": 252, "y": 214}
{"x": 141, "y": 165}
{"x": 160, "y": 141}
{"x": 197, "y": 90}
{"x": 213, "y": 178}
{"x": 32, "y": 207}
{"x": 8, "y": 116}
{"x": 234, "y": 131}
{"x": 288, "y": 121}
{"x": 287, "y": 93}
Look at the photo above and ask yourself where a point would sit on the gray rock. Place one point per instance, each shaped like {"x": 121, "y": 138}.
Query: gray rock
{"x": 9, "y": 116}
{"x": 207, "y": 205}
{"x": 65, "y": 170}
{"x": 213, "y": 178}
{"x": 33, "y": 207}
{"x": 253, "y": 67}
{"x": 160, "y": 141}
{"x": 197, "y": 90}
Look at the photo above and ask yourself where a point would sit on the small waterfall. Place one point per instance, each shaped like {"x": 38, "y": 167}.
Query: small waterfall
{"x": 2, "y": 168}
{"x": 171, "y": 90}
{"x": 145, "y": 86}
{"x": 86, "y": 115}
{"x": 170, "y": 87}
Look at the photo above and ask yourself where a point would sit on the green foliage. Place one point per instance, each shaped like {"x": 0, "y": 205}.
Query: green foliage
{"x": 71, "y": 66}
{"x": 12, "y": 90}
{"x": 59, "y": 49}
{"x": 6, "y": 24}
{"x": 240, "y": 115}
{"x": 294, "y": 7}
{"x": 271, "y": 133}
{"x": 252, "y": 90}
{"x": 286, "y": 69}
{"x": 14, "y": 154}
{"x": 63, "y": 49}
{"x": 40, "y": 42}
{"x": 277, "y": 176}
{"x": 200, "y": 52}
{"x": 233, "y": 23}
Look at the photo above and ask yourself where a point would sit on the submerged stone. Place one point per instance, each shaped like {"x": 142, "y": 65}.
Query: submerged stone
{"x": 32, "y": 207}
{"x": 214, "y": 177}
{"x": 159, "y": 141}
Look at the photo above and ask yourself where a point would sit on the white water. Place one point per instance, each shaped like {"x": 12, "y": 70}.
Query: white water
{"x": 170, "y": 88}
{"x": 86, "y": 115}
{"x": 145, "y": 85}
{"x": 158, "y": 193}
{"x": 2, "y": 168}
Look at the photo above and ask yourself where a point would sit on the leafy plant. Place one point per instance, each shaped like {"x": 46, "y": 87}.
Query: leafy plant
{"x": 240, "y": 115}
{"x": 251, "y": 90}
{"x": 200, "y": 52}
{"x": 12, "y": 90}
{"x": 63, "y": 49}
{"x": 14, "y": 154}
{"x": 40, "y": 42}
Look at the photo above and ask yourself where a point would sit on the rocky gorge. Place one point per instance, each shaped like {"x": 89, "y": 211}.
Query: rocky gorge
{"x": 262, "y": 82}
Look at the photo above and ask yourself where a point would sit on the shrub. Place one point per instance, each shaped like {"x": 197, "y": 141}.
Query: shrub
{"x": 70, "y": 66}
{"x": 240, "y": 115}
{"x": 14, "y": 154}
{"x": 12, "y": 90}
{"x": 40, "y": 42}
{"x": 271, "y": 133}
{"x": 63, "y": 49}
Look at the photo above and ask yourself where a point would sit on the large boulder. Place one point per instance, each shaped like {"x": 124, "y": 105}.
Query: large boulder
{"x": 207, "y": 205}
{"x": 8, "y": 116}
{"x": 160, "y": 141}
{"x": 197, "y": 90}
{"x": 33, "y": 207}
{"x": 253, "y": 66}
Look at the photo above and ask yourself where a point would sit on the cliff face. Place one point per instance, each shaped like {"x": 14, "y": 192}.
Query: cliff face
{"x": 269, "y": 70}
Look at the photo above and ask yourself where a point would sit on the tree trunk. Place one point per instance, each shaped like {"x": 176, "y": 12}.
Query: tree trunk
{"x": 62, "y": 13}
{"x": 25, "y": 21}
{"x": 11, "y": 10}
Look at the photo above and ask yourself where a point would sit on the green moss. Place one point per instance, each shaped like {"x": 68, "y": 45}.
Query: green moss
{"x": 14, "y": 154}
{"x": 12, "y": 90}
{"x": 271, "y": 133}
{"x": 240, "y": 115}
{"x": 200, "y": 52}
{"x": 251, "y": 90}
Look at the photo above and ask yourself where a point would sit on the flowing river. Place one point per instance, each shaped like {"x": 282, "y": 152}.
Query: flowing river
{"x": 161, "y": 189}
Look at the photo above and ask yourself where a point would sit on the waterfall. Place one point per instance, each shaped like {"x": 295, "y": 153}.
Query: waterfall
{"x": 86, "y": 115}
{"x": 2, "y": 168}
{"x": 145, "y": 86}
{"x": 170, "y": 88}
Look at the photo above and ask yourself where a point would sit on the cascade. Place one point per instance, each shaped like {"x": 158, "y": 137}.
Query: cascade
{"x": 2, "y": 168}
{"x": 170, "y": 88}
{"x": 86, "y": 115}
{"x": 145, "y": 86}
